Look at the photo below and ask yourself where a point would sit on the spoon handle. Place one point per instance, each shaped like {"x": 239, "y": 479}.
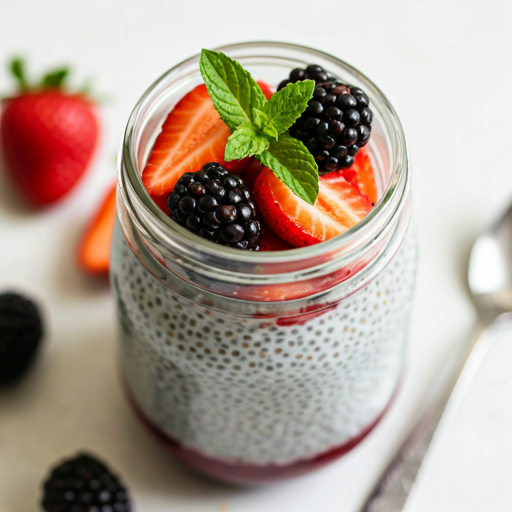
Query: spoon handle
{"x": 393, "y": 488}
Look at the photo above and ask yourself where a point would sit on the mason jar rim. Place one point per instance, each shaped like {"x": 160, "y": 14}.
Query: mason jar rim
{"x": 190, "y": 246}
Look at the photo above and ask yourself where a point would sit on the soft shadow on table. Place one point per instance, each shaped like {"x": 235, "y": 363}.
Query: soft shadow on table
{"x": 71, "y": 282}
{"x": 10, "y": 201}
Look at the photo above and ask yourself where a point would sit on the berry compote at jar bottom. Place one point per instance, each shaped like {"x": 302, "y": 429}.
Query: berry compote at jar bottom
{"x": 255, "y": 366}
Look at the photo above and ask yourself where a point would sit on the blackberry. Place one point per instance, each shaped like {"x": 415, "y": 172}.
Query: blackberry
{"x": 21, "y": 330}
{"x": 84, "y": 484}
{"x": 216, "y": 205}
{"x": 337, "y": 121}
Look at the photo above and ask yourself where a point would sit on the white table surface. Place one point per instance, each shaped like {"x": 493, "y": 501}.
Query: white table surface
{"x": 468, "y": 467}
{"x": 446, "y": 68}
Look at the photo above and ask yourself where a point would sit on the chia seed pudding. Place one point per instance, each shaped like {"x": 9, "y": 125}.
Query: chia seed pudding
{"x": 249, "y": 391}
{"x": 262, "y": 361}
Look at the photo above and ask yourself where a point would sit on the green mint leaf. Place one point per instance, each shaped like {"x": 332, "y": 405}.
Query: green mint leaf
{"x": 294, "y": 165}
{"x": 232, "y": 89}
{"x": 285, "y": 106}
{"x": 270, "y": 131}
{"x": 55, "y": 79}
{"x": 244, "y": 141}
{"x": 17, "y": 68}
{"x": 263, "y": 126}
{"x": 260, "y": 119}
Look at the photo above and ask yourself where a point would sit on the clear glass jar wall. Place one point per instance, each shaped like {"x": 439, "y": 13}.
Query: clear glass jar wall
{"x": 253, "y": 366}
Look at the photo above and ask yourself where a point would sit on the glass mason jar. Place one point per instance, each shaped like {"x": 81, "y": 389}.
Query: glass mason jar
{"x": 254, "y": 366}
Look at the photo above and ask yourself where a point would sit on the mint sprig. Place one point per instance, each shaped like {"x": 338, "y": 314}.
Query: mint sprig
{"x": 260, "y": 127}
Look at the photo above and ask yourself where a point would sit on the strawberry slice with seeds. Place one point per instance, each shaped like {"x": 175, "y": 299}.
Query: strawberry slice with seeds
{"x": 269, "y": 240}
{"x": 361, "y": 175}
{"x": 339, "y": 207}
{"x": 192, "y": 135}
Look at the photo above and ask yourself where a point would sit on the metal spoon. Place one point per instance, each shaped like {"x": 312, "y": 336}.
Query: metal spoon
{"x": 490, "y": 285}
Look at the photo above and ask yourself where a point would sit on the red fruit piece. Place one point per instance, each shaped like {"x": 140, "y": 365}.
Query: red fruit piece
{"x": 266, "y": 89}
{"x": 48, "y": 136}
{"x": 250, "y": 172}
{"x": 192, "y": 135}
{"x": 308, "y": 313}
{"x": 235, "y": 166}
{"x": 93, "y": 253}
{"x": 161, "y": 202}
{"x": 269, "y": 240}
{"x": 361, "y": 175}
{"x": 339, "y": 207}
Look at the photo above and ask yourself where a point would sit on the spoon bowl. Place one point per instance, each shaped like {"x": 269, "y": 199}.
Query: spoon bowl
{"x": 490, "y": 269}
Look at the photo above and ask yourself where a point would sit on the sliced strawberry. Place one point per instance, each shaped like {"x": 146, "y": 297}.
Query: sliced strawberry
{"x": 192, "y": 135}
{"x": 362, "y": 175}
{"x": 269, "y": 240}
{"x": 235, "y": 166}
{"x": 93, "y": 252}
{"x": 161, "y": 202}
{"x": 266, "y": 89}
{"x": 339, "y": 207}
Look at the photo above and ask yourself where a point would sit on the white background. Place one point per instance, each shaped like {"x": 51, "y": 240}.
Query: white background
{"x": 446, "y": 68}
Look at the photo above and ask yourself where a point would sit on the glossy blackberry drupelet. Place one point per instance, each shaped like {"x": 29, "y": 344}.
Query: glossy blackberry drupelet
{"x": 216, "y": 205}
{"x": 336, "y": 122}
{"x": 21, "y": 331}
{"x": 83, "y": 484}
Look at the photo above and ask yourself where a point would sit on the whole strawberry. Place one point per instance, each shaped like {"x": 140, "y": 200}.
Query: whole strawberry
{"x": 47, "y": 135}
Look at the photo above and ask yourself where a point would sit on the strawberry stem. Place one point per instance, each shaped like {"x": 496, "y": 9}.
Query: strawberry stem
{"x": 54, "y": 79}
{"x": 17, "y": 68}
